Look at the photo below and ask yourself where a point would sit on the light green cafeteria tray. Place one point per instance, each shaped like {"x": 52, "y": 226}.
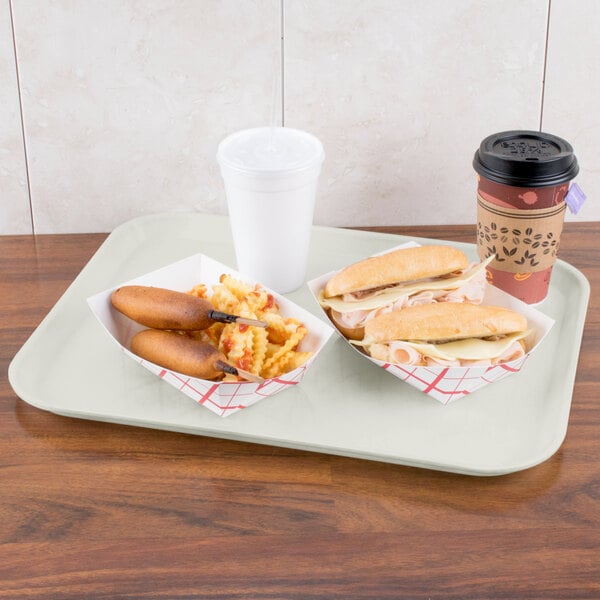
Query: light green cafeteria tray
{"x": 345, "y": 405}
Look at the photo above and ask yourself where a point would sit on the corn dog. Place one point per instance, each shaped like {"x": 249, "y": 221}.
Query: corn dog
{"x": 159, "y": 308}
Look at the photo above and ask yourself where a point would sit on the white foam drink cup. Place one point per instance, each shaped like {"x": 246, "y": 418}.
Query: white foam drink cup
{"x": 270, "y": 176}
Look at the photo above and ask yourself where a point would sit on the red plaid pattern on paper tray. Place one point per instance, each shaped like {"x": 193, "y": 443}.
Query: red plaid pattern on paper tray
{"x": 450, "y": 383}
{"x": 226, "y": 398}
{"x": 447, "y": 384}
{"x": 222, "y": 398}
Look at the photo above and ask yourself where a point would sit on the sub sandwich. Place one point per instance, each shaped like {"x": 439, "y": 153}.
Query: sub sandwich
{"x": 400, "y": 279}
{"x": 447, "y": 334}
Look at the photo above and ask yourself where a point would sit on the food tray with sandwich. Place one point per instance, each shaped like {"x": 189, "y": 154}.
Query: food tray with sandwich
{"x": 426, "y": 315}
{"x": 345, "y": 403}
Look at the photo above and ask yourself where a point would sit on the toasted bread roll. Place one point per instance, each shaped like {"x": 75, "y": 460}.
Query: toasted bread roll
{"x": 399, "y": 266}
{"x": 447, "y": 335}
{"x": 444, "y": 321}
{"x": 352, "y": 333}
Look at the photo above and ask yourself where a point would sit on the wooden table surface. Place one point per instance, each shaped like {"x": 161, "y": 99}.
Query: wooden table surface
{"x": 96, "y": 510}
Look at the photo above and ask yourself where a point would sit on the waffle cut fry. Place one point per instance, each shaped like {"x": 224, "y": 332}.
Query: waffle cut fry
{"x": 199, "y": 290}
{"x": 268, "y": 352}
{"x": 276, "y": 362}
{"x": 237, "y": 346}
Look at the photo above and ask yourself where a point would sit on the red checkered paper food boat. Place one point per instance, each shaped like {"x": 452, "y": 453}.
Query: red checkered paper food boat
{"x": 222, "y": 398}
{"x": 447, "y": 384}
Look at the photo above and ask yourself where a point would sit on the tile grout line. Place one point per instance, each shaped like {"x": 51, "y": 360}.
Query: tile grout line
{"x": 282, "y": 49}
{"x": 545, "y": 65}
{"x": 18, "y": 76}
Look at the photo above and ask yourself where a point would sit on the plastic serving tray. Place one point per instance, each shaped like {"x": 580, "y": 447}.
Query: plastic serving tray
{"x": 345, "y": 405}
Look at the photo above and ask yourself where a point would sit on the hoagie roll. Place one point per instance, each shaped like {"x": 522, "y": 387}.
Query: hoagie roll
{"x": 447, "y": 334}
{"x": 400, "y": 279}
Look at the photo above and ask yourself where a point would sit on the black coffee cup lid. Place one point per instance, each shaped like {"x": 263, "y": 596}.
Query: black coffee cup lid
{"x": 526, "y": 159}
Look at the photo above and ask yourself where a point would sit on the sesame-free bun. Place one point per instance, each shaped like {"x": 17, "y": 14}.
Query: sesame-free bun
{"x": 351, "y": 333}
{"x": 398, "y": 266}
{"x": 444, "y": 321}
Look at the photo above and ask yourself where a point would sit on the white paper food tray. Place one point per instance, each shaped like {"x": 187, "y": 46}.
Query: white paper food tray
{"x": 447, "y": 384}
{"x": 223, "y": 398}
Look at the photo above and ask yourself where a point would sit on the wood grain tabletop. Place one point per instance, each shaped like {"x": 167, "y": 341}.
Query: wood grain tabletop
{"x": 97, "y": 510}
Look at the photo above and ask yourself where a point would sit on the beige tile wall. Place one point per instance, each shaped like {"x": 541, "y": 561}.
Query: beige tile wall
{"x": 572, "y": 94}
{"x": 125, "y": 101}
{"x": 402, "y": 94}
{"x": 15, "y": 216}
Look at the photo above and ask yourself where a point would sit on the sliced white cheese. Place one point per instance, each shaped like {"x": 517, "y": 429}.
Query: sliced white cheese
{"x": 392, "y": 294}
{"x": 469, "y": 349}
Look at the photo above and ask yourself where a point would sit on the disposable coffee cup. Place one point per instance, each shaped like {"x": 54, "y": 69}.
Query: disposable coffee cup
{"x": 270, "y": 176}
{"x": 523, "y": 178}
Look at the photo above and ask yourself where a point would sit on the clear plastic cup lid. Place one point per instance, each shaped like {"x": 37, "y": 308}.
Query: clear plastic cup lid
{"x": 270, "y": 150}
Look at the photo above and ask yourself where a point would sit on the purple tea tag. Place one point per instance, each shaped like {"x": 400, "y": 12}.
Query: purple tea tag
{"x": 575, "y": 198}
